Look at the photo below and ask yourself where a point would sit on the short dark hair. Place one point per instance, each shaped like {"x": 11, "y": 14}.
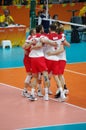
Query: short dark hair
{"x": 31, "y": 31}
{"x": 38, "y": 28}
{"x": 53, "y": 27}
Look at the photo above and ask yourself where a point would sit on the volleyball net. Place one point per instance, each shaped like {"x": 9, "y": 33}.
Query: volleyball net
{"x": 75, "y": 30}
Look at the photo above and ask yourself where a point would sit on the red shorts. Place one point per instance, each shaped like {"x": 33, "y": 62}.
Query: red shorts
{"x": 27, "y": 63}
{"x": 53, "y": 66}
{"x": 49, "y": 64}
{"x": 62, "y": 64}
{"x": 38, "y": 64}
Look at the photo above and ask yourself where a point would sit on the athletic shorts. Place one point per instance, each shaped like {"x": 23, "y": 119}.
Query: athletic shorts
{"x": 38, "y": 64}
{"x": 62, "y": 64}
{"x": 27, "y": 63}
{"x": 53, "y": 66}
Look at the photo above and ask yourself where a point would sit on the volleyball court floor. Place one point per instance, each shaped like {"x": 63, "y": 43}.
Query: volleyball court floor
{"x": 18, "y": 113}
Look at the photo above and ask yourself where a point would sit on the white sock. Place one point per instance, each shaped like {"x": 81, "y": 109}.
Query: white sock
{"x": 46, "y": 90}
{"x": 60, "y": 89}
{"x": 32, "y": 91}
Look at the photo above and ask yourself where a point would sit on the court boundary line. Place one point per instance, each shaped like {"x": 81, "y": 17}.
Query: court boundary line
{"x": 53, "y": 125}
{"x": 14, "y": 87}
{"x": 71, "y": 71}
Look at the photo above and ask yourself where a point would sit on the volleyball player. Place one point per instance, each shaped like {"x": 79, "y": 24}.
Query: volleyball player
{"x": 27, "y": 64}
{"x": 38, "y": 64}
{"x": 62, "y": 60}
{"x": 52, "y": 59}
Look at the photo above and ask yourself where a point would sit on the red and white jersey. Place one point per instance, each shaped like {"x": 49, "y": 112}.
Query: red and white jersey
{"x": 62, "y": 56}
{"x": 54, "y": 37}
{"x": 37, "y": 52}
{"x": 29, "y": 38}
{"x": 58, "y": 39}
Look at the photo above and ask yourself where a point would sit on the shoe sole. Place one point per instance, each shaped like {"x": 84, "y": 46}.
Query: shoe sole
{"x": 62, "y": 100}
{"x": 33, "y": 99}
{"x": 39, "y": 95}
{"x": 25, "y": 96}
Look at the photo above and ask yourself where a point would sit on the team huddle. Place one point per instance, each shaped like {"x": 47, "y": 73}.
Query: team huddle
{"x": 45, "y": 57}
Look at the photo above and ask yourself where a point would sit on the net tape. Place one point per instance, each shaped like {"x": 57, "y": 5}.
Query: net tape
{"x": 63, "y": 22}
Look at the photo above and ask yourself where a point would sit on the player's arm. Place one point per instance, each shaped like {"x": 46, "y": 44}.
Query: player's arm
{"x": 57, "y": 52}
{"x": 48, "y": 41}
{"x": 66, "y": 43}
{"x": 37, "y": 46}
{"x": 27, "y": 44}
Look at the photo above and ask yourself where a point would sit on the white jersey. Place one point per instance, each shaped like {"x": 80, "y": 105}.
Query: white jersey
{"x": 59, "y": 39}
{"x": 62, "y": 56}
{"x": 37, "y": 52}
{"x": 50, "y": 48}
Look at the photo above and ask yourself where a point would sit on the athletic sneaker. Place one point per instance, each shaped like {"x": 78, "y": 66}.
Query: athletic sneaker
{"x": 50, "y": 92}
{"x": 66, "y": 91}
{"x": 62, "y": 97}
{"x": 39, "y": 93}
{"x": 46, "y": 97}
{"x": 25, "y": 93}
{"x": 32, "y": 98}
{"x": 58, "y": 95}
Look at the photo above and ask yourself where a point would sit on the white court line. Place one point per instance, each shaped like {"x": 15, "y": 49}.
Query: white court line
{"x": 71, "y": 71}
{"x": 49, "y": 98}
{"x": 69, "y": 104}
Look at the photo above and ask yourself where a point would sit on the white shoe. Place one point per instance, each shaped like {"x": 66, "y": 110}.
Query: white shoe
{"x": 32, "y": 98}
{"x": 66, "y": 91}
{"x": 62, "y": 97}
{"x": 46, "y": 97}
{"x": 39, "y": 93}
{"x": 50, "y": 92}
{"x": 25, "y": 94}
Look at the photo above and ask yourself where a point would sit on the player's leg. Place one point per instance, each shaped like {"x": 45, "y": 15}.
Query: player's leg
{"x": 27, "y": 81}
{"x": 50, "y": 76}
{"x": 39, "y": 87}
{"x": 46, "y": 85}
{"x": 60, "y": 89}
{"x": 33, "y": 88}
{"x": 61, "y": 76}
{"x": 62, "y": 79}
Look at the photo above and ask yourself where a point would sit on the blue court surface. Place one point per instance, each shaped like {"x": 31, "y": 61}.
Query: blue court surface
{"x": 10, "y": 58}
{"x": 79, "y": 126}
